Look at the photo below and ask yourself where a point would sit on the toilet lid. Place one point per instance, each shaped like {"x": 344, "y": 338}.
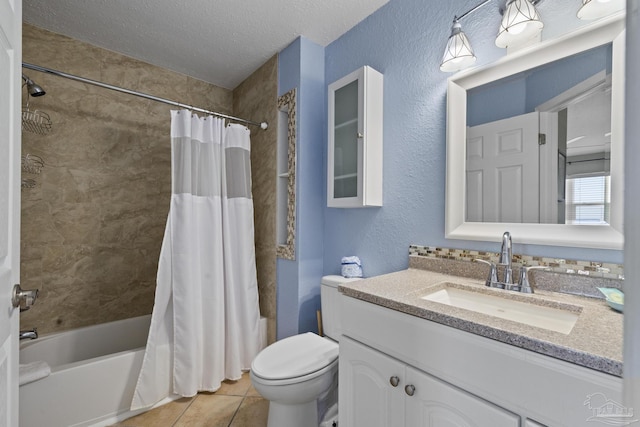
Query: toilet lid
{"x": 295, "y": 356}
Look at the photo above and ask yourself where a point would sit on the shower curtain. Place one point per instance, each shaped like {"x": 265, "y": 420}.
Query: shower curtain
{"x": 204, "y": 326}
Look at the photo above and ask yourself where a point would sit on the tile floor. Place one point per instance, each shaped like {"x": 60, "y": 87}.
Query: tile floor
{"x": 236, "y": 404}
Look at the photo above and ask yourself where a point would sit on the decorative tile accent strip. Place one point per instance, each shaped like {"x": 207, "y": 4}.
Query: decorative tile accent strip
{"x": 556, "y": 265}
{"x": 287, "y": 102}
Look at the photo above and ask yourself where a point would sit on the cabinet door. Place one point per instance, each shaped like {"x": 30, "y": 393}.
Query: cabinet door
{"x": 434, "y": 403}
{"x": 346, "y": 149}
{"x": 354, "y": 166}
{"x": 367, "y": 396}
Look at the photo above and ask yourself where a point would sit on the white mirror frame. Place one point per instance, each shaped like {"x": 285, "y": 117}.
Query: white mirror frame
{"x": 609, "y": 30}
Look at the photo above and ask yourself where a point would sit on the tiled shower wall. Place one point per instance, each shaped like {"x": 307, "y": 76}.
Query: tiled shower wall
{"x": 256, "y": 97}
{"x": 93, "y": 224}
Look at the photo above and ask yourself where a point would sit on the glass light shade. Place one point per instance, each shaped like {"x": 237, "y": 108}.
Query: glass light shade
{"x": 594, "y": 9}
{"x": 520, "y": 23}
{"x": 458, "y": 53}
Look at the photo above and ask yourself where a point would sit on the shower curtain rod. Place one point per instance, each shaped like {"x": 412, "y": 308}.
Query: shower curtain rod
{"x": 263, "y": 125}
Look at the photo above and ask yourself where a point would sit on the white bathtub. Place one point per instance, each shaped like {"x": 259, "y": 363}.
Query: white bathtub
{"x": 93, "y": 374}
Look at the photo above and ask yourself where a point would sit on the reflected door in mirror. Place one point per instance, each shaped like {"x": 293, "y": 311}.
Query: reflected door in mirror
{"x": 502, "y": 170}
{"x": 547, "y": 78}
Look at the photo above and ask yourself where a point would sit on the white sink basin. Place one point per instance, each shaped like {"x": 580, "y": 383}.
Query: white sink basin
{"x": 550, "y": 318}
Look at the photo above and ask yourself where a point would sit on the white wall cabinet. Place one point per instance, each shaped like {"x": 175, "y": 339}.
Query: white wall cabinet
{"x": 354, "y": 165}
{"x": 458, "y": 378}
{"x": 378, "y": 390}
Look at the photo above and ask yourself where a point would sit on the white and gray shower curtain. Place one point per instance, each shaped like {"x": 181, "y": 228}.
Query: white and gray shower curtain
{"x": 204, "y": 326}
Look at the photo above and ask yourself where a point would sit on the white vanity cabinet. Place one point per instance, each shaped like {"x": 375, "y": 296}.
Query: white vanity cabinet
{"x": 354, "y": 165}
{"x": 368, "y": 396}
{"x": 380, "y": 391}
{"x": 457, "y": 378}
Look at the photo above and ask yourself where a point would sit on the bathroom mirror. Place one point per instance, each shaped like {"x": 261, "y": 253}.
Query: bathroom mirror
{"x": 491, "y": 117}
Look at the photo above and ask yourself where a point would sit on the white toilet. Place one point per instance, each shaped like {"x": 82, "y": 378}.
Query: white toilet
{"x": 299, "y": 375}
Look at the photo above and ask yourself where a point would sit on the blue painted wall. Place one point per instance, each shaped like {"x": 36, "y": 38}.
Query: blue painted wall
{"x": 521, "y": 94}
{"x": 301, "y": 66}
{"x": 404, "y": 40}
{"x": 287, "y": 307}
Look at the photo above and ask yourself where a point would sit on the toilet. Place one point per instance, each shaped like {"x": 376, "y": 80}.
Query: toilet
{"x": 298, "y": 375}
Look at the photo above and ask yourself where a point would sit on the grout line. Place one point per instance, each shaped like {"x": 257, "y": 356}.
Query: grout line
{"x": 236, "y": 412}
{"x": 244, "y": 396}
{"x": 185, "y": 410}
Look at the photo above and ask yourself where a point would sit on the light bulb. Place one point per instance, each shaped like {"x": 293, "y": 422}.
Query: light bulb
{"x": 520, "y": 23}
{"x": 594, "y": 9}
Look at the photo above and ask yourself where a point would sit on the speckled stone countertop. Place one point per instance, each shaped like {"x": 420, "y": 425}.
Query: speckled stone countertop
{"x": 594, "y": 342}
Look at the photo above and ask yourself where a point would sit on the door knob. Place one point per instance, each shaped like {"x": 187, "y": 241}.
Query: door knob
{"x": 394, "y": 380}
{"x": 23, "y": 298}
{"x": 409, "y": 389}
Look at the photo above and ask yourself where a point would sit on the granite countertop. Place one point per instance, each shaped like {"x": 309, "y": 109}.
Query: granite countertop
{"x": 594, "y": 342}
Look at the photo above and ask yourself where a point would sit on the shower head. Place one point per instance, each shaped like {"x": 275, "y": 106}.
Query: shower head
{"x": 33, "y": 88}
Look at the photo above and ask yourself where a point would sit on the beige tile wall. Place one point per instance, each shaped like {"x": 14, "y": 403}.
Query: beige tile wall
{"x": 257, "y": 97}
{"x": 93, "y": 224}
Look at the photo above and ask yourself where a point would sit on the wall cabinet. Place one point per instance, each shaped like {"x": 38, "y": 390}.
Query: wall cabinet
{"x": 456, "y": 378}
{"x": 378, "y": 390}
{"x": 354, "y": 165}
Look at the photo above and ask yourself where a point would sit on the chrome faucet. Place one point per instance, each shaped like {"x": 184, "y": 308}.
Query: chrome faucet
{"x": 31, "y": 334}
{"x": 506, "y": 255}
{"x": 505, "y": 259}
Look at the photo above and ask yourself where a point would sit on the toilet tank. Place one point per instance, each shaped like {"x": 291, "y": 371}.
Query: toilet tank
{"x": 330, "y": 303}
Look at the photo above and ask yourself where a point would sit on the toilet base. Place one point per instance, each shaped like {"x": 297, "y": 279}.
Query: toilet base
{"x": 299, "y": 415}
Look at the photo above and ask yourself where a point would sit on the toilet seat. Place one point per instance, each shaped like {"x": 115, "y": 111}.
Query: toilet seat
{"x": 295, "y": 359}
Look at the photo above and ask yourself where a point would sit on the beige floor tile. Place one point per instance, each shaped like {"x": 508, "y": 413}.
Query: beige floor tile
{"x": 210, "y": 410}
{"x": 253, "y": 392}
{"x": 253, "y": 412}
{"x": 163, "y": 416}
{"x": 235, "y": 388}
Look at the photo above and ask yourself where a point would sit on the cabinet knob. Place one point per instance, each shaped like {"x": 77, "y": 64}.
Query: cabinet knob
{"x": 409, "y": 389}
{"x": 394, "y": 380}
{"x": 360, "y": 135}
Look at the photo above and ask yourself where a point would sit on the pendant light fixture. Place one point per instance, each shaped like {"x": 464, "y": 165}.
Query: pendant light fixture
{"x": 594, "y": 9}
{"x": 458, "y": 54}
{"x": 520, "y": 23}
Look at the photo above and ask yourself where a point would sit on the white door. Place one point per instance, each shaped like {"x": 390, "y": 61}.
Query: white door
{"x": 502, "y": 171}
{"x": 433, "y": 403}
{"x": 371, "y": 385}
{"x": 531, "y": 423}
{"x": 10, "y": 128}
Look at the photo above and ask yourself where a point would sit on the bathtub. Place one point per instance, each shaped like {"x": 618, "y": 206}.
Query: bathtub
{"x": 93, "y": 374}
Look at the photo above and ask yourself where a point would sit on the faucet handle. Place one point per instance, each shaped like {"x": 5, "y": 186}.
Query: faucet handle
{"x": 492, "y": 279}
{"x": 525, "y": 286}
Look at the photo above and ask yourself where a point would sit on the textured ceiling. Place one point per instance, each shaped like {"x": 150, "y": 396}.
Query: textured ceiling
{"x": 221, "y": 41}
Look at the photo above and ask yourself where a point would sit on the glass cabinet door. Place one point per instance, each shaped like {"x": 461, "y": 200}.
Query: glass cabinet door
{"x": 345, "y": 134}
{"x": 354, "y": 167}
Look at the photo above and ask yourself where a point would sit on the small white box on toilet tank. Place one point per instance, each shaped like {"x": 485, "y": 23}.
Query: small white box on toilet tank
{"x": 330, "y": 304}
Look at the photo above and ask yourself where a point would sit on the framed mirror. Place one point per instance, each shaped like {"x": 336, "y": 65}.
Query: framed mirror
{"x": 527, "y": 133}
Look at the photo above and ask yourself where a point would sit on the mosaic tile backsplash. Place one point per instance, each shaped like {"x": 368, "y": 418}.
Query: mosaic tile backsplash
{"x": 556, "y": 265}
